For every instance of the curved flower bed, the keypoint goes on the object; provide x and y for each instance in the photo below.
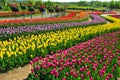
(7, 32)
(95, 59)
(22, 49)
(70, 17)
(100, 12)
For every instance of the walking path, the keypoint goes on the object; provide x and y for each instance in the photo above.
(29, 17)
(19, 73)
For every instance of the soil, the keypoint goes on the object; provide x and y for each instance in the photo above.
(19, 73)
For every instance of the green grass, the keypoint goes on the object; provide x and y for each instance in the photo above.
(84, 7)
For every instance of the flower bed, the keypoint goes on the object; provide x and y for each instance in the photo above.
(99, 12)
(10, 31)
(9, 13)
(116, 16)
(22, 49)
(111, 19)
(95, 59)
(70, 17)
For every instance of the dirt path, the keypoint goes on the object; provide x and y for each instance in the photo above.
(19, 73)
(29, 17)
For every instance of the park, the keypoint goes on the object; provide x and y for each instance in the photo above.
(59, 40)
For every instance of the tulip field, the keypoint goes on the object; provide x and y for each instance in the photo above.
(95, 59)
(72, 16)
(80, 45)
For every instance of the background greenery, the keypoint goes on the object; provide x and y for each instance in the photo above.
(97, 5)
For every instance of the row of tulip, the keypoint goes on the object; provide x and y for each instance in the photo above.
(10, 13)
(95, 59)
(70, 17)
(21, 50)
(12, 31)
(100, 12)
(116, 16)
(110, 19)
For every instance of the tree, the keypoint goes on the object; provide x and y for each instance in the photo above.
(82, 3)
(105, 4)
(49, 3)
(3, 2)
(112, 4)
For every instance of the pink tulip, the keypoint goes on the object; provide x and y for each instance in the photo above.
(88, 73)
(71, 71)
(31, 62)
(49, 64)
(107, 78)
(118, 51)
(110, 75)
(53, 71)
(36, 75)
(74, 57)
(82, 76)
(67, 74)
(95, 64)
(113, 69)
(60, 69)
(64, 79)
(118, 62)
(53, 65)
(105, 50)
(56, 74)
(115, 65)
(75, 75)
(105, 57)
(91, 78)
(86, 59)
(82, 69)
(118, 57)
(44, 66)
(83, 57)
(101, 72)
(37, 67)
(101, 61)
(73, 66)
(32, 70)
(74, 61)
(94, 68)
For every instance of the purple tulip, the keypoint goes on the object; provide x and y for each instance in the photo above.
(22, 29)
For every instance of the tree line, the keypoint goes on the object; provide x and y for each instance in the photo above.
(112, 4)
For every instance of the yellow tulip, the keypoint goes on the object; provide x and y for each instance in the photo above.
(20, 45)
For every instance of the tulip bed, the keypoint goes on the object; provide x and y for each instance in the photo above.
(116, 16)
(67, 18)
(100, 12)
(95, 59)
(21, 50)
(11, 32)
(9, 13)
